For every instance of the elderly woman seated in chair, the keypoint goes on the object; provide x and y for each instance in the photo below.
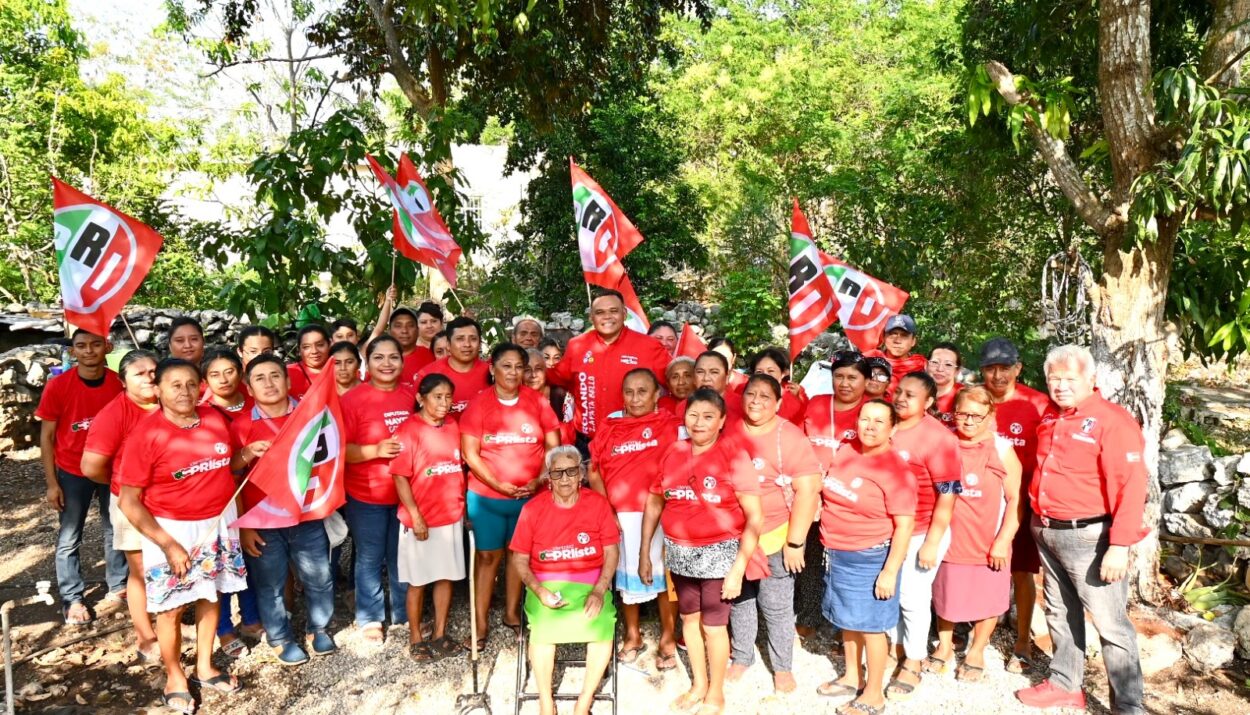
(565, 549)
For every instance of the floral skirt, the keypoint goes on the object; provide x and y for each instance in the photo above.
(216, 563)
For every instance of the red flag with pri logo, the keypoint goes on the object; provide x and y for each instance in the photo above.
(605, 235)
(690, 344)
(419, 232)
(865, 303)
(302, 472)
(813, 306)
(102, 257)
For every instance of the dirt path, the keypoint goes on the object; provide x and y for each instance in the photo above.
(98, 675)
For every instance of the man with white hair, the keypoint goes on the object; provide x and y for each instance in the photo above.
(1088, 494)
(527, 332)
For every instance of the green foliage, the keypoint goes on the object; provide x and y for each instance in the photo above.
(750, 304)
(625, 144)
(97, 135)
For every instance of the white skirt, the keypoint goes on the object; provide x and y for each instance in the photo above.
(632, 589)
(216, 563)
(439, 558)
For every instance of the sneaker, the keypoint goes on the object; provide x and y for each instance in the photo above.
(321, 643)
(291, 654)
(1047, 695)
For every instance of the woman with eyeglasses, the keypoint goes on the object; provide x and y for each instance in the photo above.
(974, 582)
(944, 365)
(880, 374)
(505, 433)
(565, 550)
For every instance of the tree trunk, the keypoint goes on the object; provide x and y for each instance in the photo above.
(1129, 346)
(1226, 40)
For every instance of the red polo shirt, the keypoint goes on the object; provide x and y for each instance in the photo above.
(466, 385)
(415, 362)
(1017, 420)
(1089, 463)
(73, 404)
(594, 371)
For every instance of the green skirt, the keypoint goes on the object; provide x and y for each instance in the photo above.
(569, 624)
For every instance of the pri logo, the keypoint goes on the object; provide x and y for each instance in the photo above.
(857, 482)
(583, 538)
(527, 428)
(597, 238)
(861, 305)
(758, 463)
(1087, 425)
(1016, 428)
(588, 358)
(314, 462)
(972, 480)
(220, 448)
(419, 219)
(646, 433)
(97, 253)
(709, 483)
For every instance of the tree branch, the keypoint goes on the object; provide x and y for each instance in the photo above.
(398, 63)
(1227, 65)
(266, 60)
(1066, 173)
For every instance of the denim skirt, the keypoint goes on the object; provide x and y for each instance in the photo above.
(849, 602)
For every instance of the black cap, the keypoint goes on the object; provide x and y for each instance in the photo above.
(999, 351)
(402, 311)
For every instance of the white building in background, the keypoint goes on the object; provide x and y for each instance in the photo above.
(490, 196)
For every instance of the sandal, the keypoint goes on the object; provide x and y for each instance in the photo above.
(235, 648)
(899, 691)
(834, 689)
(420, 652)
(855, 707)
(481, 643)
(629, 656)
(222, 683)
(169, 698)
(1018, 663)
(937, 666)
(969, 673)
(684, 703)
(666, 662)
(445, 647)
(76, 614)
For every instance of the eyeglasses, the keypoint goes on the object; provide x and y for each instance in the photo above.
(946, 365)
(556, 475)
(970, 417)
(880, 377)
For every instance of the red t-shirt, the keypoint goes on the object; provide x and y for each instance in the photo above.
(979, 508)
(900, 367)
(230, 414)
(560, 539)
(626, 451)
(827, 429)
(861, 495)
(371, 415)
(1017, 420)
(670, 404)
(776, 458)
(184, 473)
(944, 407)
(701, 492)
(511, 437)
(933, 453)
(414, 363)
(431, 462)
(246, 429)
(466, 385)
(73, 404)
(1089, 463)
(301, 379)
(793, 407)
(593, 372)
(109, 431)
(733, 408)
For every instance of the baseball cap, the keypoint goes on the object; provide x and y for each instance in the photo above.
(879, 363)
(901, 322)
(402, 311)
(999, 351)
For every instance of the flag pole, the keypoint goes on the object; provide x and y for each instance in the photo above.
(130, 330)
(456, 295)
(394, 260)
(589, 300)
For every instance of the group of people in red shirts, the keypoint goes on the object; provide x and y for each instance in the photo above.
(878, 493)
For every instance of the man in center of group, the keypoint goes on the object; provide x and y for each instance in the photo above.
(464, 365)
(595, 363)
(896, 348)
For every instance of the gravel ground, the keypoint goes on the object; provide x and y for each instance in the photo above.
(98, 674)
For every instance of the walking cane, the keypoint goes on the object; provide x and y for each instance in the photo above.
(478, 699)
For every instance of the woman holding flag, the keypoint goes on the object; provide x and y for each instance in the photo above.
(372, 412)
(178, 492)
(273, 549)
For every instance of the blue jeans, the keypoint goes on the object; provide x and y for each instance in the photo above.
(375, 539)
(78, 493)
(247, 608)
(306, 548)
(1071, 559)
